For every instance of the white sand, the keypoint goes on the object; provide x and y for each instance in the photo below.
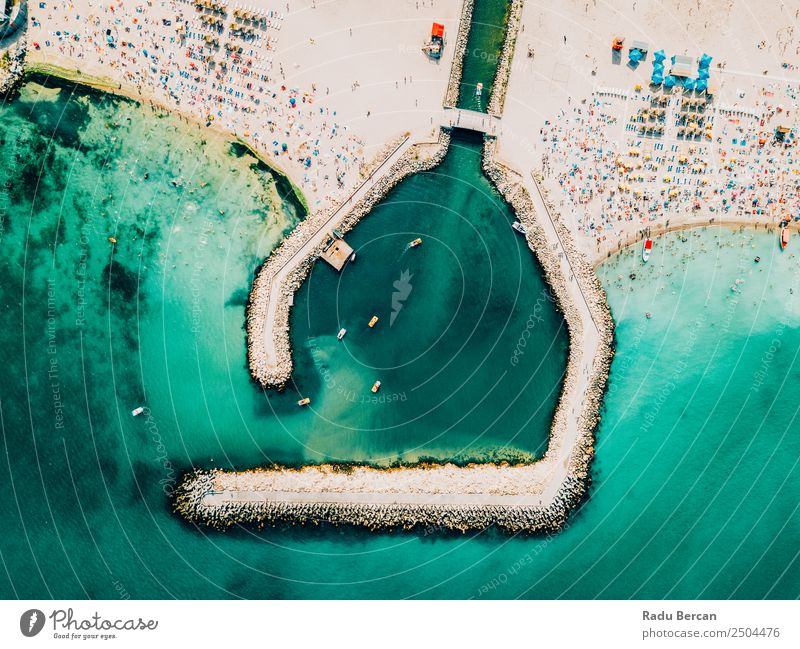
(552, 84)
(311, 53)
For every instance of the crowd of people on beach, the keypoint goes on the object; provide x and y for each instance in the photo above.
(639, 157)
(213, 62)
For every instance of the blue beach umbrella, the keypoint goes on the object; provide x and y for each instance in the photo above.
(701, 85)
(659, 56)
(705, 61)
(703, 74)
(657, 79)
(669, 81)
(688, 84)
(635, 55)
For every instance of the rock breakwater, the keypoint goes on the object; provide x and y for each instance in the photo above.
(533, 497)
(12, 67)
(460, 49)
(500, 86)
(510, 185)
(268, 343)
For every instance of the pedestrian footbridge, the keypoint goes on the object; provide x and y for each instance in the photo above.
(471, 120)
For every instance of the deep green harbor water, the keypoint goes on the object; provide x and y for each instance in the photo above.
(484, 45)
(696, 478)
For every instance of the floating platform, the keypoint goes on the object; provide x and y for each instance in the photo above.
(336, 253)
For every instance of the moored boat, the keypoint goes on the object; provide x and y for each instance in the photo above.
(518, 227)
(341, 333)
(376, 386)
(373, 321)
(304, 402)
(353, 257)
(137, 411)
(784, 236)
(647, 250)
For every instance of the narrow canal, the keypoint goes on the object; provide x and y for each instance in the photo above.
(486, 36)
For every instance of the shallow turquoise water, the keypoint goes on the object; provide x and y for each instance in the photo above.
(696, 480)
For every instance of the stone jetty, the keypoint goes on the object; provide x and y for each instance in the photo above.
(515, 498)
(498, 97)
(454, 83)
(268, 343)
(12, 66)
(534, 497)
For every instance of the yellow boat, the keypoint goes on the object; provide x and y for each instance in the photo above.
(373, 321)
(304, 402)
(376, 386)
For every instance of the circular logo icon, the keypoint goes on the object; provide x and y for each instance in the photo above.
(31, 622)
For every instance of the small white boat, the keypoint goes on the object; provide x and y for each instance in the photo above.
(478, 89)
(648, 249)
(304, 402)
(341, 333)
(353, 257)
(376, 386)
(519, 227)
(137, 411)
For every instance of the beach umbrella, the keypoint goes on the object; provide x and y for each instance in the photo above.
(688, 84)
(635, 55)
(701, 85)
(659, 56)
(669, 81)
(705, 61)
(656, 79)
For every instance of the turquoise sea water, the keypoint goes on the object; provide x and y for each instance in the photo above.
(696, 477)
(485, 43)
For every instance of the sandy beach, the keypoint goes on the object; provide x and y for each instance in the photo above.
(574, 114)
(316, 88)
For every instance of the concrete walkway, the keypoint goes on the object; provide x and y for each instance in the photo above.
(587, 347)
(319, 236)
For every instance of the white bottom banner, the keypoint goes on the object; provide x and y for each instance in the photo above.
(400, 624)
